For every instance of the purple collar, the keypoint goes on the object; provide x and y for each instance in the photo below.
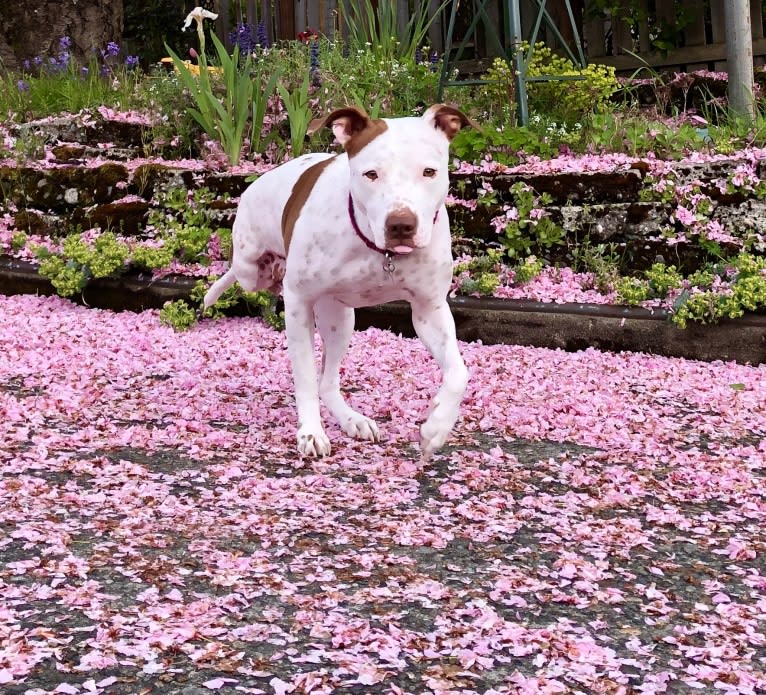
(369, 244)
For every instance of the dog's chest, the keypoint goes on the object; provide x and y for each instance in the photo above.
(358, 281)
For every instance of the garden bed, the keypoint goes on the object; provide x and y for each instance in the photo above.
(613, 213)
(567, 326)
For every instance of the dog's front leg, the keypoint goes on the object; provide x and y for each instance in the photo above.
(436, 328)
(299, 330)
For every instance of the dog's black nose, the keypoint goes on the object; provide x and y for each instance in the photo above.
(401, 224)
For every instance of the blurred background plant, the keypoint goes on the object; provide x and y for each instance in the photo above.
(381, 29)
(594, 114)
(51, 84)
(223, 94)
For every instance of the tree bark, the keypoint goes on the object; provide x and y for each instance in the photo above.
(35, 27)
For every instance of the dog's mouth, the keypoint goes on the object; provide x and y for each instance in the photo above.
(401, 228)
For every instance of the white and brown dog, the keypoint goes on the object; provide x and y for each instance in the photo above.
(336, 232)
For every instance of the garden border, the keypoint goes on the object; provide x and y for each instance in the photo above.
(568, 327)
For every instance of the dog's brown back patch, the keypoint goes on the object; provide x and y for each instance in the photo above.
(298, 197)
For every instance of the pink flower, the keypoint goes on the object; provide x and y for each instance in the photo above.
(684, 216)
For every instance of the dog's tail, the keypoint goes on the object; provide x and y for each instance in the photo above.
(219, 287)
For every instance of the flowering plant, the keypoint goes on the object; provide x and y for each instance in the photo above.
(223, 118)
(526, 227)
(299, 114)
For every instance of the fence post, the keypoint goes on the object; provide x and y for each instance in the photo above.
(739, 56)
(519, 67)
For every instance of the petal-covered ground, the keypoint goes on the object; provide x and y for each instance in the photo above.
(596, 524)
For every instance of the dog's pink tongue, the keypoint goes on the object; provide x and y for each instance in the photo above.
(402, 249)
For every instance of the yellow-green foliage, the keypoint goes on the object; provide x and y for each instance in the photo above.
(500, 85)
(570, 99)
(573, 97)
(79, 261)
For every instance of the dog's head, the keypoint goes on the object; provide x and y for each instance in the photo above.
(398, 171)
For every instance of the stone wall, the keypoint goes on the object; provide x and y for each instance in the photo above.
(96, 173)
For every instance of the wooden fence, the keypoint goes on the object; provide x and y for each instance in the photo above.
(288, 18)
(702, 39)
(609, 40)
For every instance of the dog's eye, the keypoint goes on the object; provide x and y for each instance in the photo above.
(372, 174)
(429, 173)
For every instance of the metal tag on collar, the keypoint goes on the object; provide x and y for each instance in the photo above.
(388, 263)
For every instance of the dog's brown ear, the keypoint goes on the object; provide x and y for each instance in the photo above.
(448, 119)
(345, 123)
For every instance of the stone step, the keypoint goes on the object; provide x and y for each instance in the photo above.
(604, 206)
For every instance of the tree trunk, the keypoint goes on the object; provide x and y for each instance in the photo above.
(35, 27)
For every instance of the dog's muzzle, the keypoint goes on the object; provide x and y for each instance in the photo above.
(401, 227)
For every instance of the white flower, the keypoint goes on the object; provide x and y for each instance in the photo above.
(198, 14)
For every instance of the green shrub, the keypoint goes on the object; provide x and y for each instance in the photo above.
(506, 145)
(528, 270)
(663, 278)
(586, 90)
(480, 274)
(724, 290)
(630, 290)
(178, 315)
(590, 91)
(80, 260)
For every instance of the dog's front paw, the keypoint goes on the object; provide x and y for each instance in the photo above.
(435, 430)
(313, 442)
(360, 427)
(432, 439)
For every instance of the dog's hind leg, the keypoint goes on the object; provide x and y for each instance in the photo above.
(335, 322)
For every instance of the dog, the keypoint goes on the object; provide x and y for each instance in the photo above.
(339, 231)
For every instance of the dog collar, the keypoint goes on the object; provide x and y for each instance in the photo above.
(388, 265)
(369, 244)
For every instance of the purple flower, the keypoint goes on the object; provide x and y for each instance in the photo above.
(131, 62)
(27, 65)
(37, 60)
(112, 49)
(84, 72)
(65, 42)
(244, 37)
(263, 39)
(434, 60)
(22, 86)
(314, 63)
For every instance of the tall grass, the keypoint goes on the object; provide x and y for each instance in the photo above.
(384, 31)
(25, 95)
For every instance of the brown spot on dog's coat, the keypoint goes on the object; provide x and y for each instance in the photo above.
(353, 128)
(364, 137)
(448, 119)
(298, 197)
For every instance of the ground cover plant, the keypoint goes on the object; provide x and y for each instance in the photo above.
(595, 525)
